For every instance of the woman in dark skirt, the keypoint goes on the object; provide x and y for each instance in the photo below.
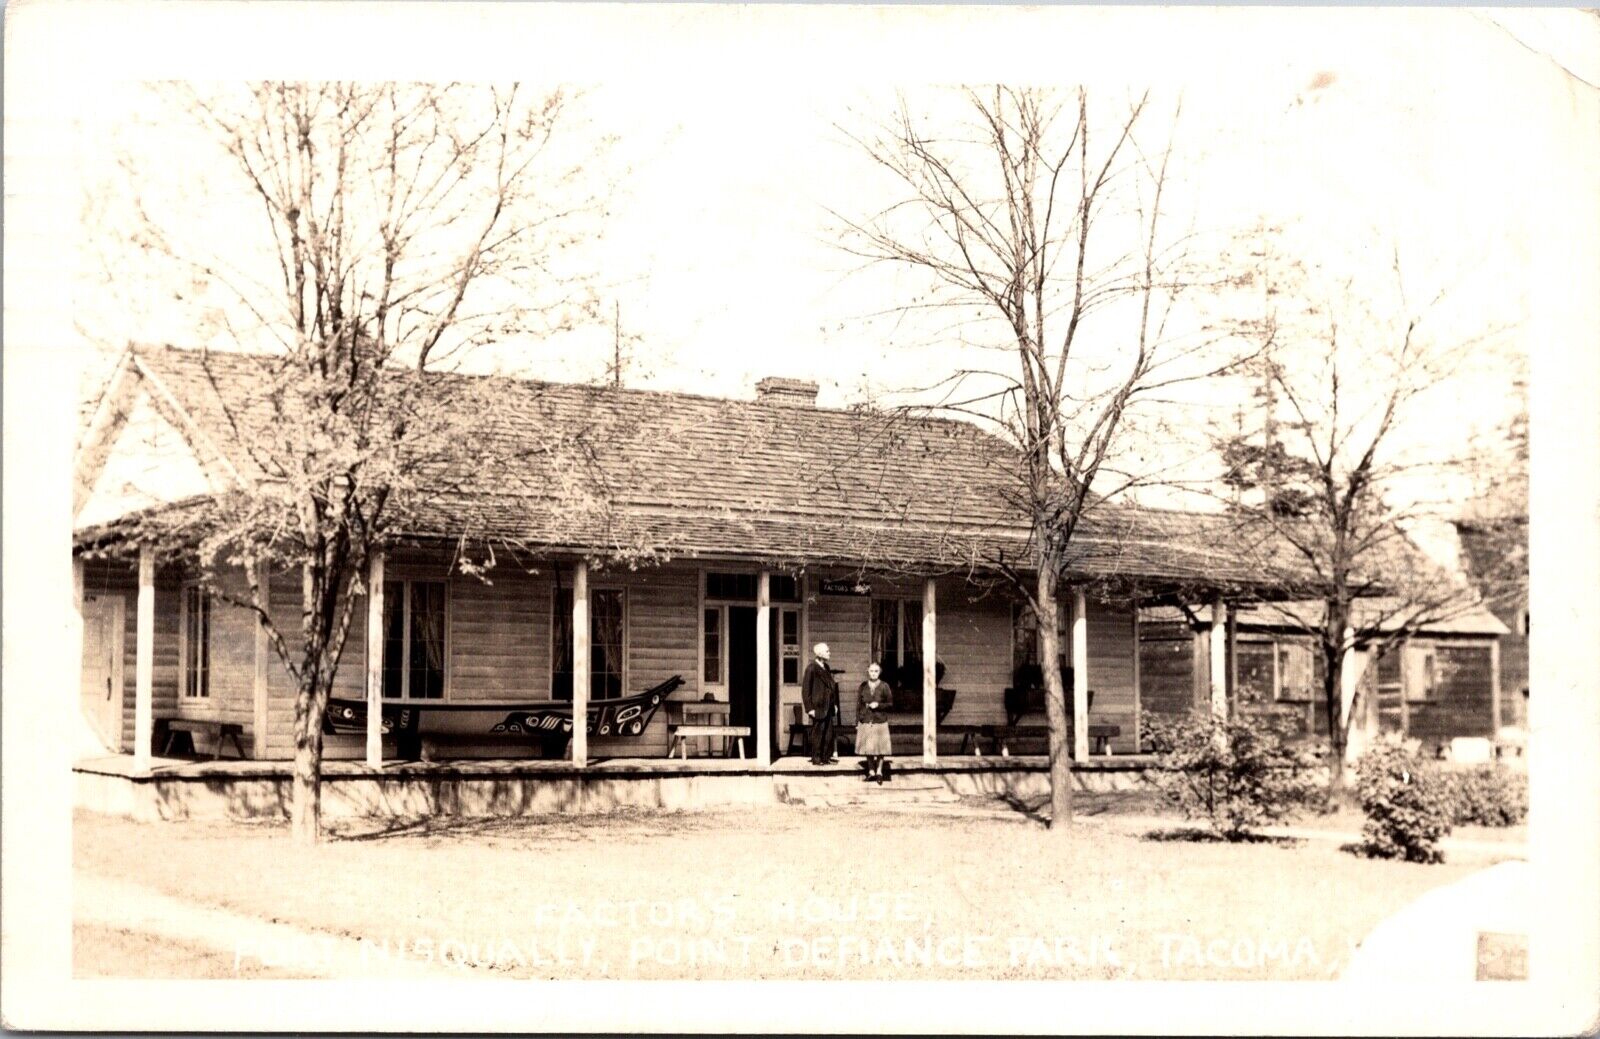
(873, 701)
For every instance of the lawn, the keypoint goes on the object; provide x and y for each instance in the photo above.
(778, 893)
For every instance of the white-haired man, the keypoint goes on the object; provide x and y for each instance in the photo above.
(819, 696)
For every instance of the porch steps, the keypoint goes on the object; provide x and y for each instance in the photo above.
(839, 790)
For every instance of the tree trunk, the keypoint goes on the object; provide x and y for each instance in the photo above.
(1055, 701)
(1333, 659)
(305, 812)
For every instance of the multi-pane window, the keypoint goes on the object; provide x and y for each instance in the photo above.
(1257, 669)
(196, 643)
(789, 646)
(742, 587)
(712, 673)
(413, 640)
(607, 643)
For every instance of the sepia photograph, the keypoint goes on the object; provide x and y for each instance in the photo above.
(749, 495)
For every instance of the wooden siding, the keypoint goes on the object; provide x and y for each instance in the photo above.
(233, 667)
(1170, 656)
(1111, 670)
(1462, 704)
(844, 622)
(111, 578)
(974, 635)
(500, 648)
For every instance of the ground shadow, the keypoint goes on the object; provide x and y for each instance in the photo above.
(1202, 836)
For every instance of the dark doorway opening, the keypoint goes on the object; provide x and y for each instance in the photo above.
(742, 666)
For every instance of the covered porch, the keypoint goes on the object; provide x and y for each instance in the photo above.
(727, 638)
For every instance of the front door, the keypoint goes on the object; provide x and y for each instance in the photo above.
(742, 666)
(101, 689)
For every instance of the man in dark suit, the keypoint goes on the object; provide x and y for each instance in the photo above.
(819, 695)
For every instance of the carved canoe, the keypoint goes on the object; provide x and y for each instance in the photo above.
(624, 716)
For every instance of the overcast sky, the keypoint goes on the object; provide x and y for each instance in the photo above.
(1424, 130)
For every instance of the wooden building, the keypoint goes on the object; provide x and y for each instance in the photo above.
(771, 524)
(1434, 686)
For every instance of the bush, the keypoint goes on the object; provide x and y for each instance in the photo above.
(1406, 802)
(1486, 795)
(1236, 775)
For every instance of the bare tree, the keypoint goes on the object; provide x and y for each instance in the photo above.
(1335, 469)
(395, 228)
(1039, 222)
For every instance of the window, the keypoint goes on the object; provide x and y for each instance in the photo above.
(789, 646)
(1422, 679)
(1257, 664)
(607, 644)
(1024, 636)
(897, 638)
(196, 643)
(1297, 673)
(712, 669)
(742, 587)
(413, 640)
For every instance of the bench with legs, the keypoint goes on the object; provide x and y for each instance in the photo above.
(1025, 696)
(177, 735)
(682, 734)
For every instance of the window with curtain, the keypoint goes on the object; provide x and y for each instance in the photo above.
(413, 640)
(897, 639)
(196, 643)
(607, 644)
(1024, 636)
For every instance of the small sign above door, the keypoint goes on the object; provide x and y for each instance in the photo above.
(843, 586)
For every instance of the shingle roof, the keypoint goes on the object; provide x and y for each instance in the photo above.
(1385, 614)
(700, 476)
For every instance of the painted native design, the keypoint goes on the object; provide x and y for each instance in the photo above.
(620, 716)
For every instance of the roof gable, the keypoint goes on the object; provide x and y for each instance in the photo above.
(145, 461)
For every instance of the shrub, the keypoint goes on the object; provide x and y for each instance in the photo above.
(1406, 803)
(1236, 775)
(1486, 795)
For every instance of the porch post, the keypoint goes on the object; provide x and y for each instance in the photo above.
(375, 660)
(930, 673)
(580, 664)
(259, 691)
(1080, 676)
(1233, 660)
(1219, 659)
(763, 718)
(144, 661)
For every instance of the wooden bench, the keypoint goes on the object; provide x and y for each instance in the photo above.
(682, 734)
(219, 731)
(1025, 696)
(1001, 736)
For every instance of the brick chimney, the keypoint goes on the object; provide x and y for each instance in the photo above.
(797, 393)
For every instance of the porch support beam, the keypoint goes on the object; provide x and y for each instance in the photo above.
(930, 672)
(259, 718)
(375, 660)
(1080, 676)
(1219, 659)
(580, 664)
(763, 716)
(144, 661)
(1233, 661)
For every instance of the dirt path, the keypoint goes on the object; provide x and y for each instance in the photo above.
(253, 945)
